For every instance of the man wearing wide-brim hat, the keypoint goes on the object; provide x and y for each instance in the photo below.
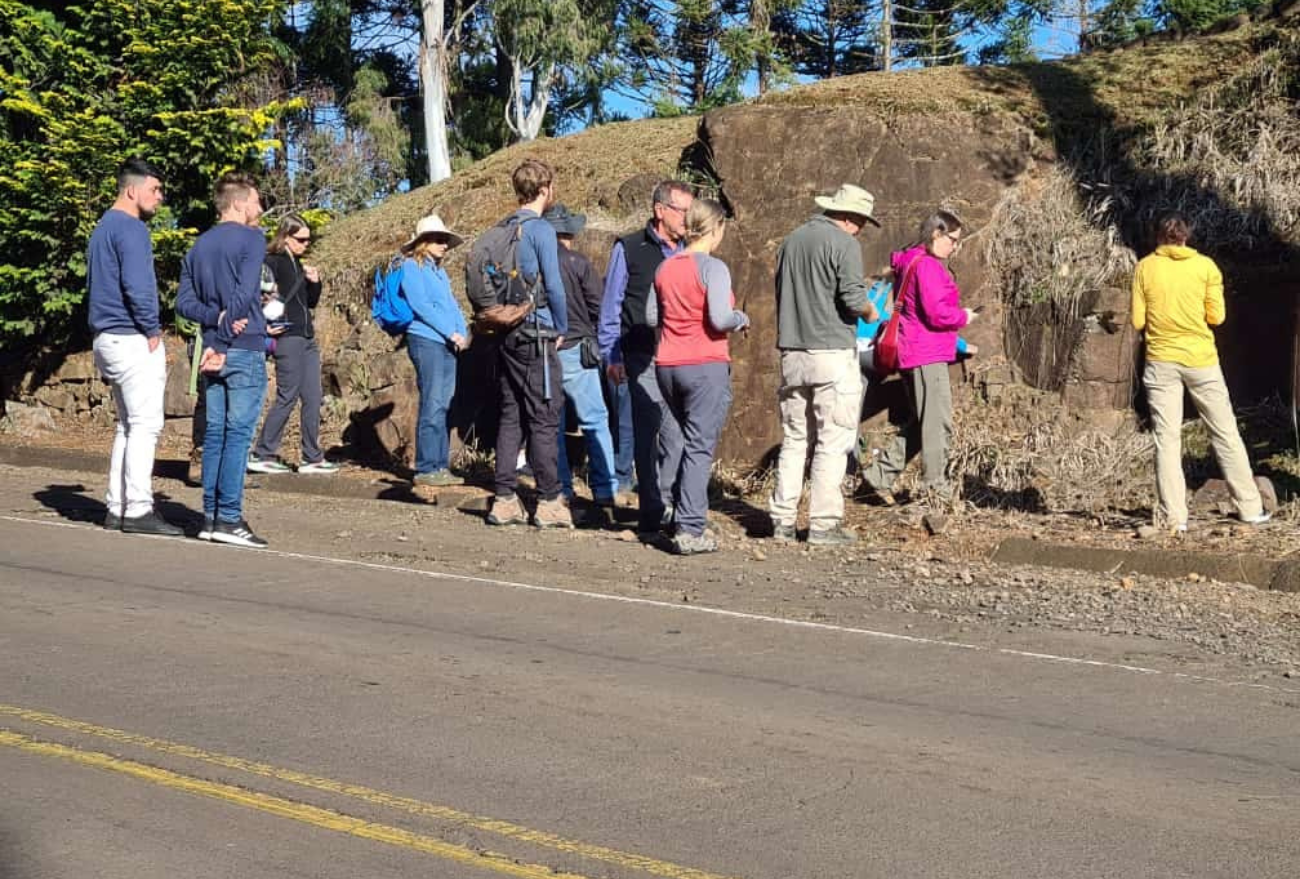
(820, 294)
(582, 382)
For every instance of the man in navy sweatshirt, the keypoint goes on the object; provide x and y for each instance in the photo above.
(221, 291)
(128, 349)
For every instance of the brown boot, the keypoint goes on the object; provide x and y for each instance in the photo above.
(506, 511)
(552, 514)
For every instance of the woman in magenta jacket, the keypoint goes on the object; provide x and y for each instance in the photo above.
(930, 316)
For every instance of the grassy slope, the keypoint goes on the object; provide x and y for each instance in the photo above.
(1132, 87)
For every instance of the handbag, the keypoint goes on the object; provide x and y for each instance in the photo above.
(589, 353)
(886, 348)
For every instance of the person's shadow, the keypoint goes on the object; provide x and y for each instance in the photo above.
(73, 503)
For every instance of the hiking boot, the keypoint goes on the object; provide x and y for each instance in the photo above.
(436, 478)
(552, 514)
(321, 466)
(506, 511)
(1257, 520)
(836, 536)
(112, 522)
(596, 516)
(194, 473)
(268, 465)
(236, 534)
(783, 533)
(150, 523)
(209, 525)
(693, 544)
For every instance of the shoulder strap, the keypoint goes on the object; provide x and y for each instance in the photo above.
(908, 272)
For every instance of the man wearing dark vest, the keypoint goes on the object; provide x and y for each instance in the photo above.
(627, 341)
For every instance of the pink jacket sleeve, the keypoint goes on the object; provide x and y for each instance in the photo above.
(941, 309)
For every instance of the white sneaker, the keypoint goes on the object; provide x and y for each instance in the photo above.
(318, 467)
(267, 465)
(1257, 520)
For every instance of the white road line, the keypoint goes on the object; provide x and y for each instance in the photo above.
(710, 611)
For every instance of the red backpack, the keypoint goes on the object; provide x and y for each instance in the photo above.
(886, 350)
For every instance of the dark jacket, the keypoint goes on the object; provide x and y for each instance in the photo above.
(644, 254)
(298, 294)
(582, 290)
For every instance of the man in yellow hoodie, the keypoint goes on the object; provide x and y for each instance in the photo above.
(1177, 297)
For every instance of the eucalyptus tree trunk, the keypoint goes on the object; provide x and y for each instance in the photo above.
(526, 114)
(433, 87)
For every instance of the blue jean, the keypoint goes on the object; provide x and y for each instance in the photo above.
(618, 400)
(657, 457)
(435, 374)
(582, 393)
(234, 400)
(698, 399)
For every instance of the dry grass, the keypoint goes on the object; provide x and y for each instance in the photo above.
(590, 166)
(1231, 160)
(1050, 247)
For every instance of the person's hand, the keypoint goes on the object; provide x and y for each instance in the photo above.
(311, 273)
(970, 315)
(154, 342)
(211, 362)
(275, 330)
(869, 313)
(559, 342)
(457, 341)
(617, 373)
(971, 350)
(239, 326)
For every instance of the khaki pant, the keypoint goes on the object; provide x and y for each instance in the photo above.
(820, 400)
(929, 430)
(1165, 383)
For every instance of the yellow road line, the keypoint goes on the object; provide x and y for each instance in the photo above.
(312, 815)
(506, 829)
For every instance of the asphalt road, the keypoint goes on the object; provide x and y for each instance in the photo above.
(172, 708)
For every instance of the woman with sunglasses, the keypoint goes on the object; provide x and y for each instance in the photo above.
(930, 315)
(297, 357)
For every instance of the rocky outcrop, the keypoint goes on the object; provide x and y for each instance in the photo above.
(769, 163)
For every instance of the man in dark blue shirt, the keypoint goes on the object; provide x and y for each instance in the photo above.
(529, 371)
(123, 298)
(221, 291)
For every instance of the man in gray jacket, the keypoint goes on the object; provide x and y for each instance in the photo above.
(820, 293)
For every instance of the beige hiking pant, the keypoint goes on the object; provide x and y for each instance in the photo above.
(820, 400)
(1165, 383)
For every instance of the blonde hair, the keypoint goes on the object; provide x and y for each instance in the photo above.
(422, 251)
(703, 218)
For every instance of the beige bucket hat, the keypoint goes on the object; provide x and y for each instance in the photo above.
(850, 199)
(428, 227)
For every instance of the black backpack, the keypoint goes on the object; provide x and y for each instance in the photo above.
(492, 275)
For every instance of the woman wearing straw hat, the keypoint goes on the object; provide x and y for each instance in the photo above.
(435, 337)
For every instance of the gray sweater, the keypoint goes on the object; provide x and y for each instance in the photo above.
(820, 290)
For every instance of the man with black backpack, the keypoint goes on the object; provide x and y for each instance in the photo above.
(514, 284)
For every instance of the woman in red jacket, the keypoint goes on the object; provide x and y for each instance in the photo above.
(695, 310)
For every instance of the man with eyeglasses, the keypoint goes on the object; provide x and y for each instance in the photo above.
(820, 294)
(627, 346)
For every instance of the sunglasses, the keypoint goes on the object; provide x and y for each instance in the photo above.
(301, 238)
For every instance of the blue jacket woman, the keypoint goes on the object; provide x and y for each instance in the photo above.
(436, 335)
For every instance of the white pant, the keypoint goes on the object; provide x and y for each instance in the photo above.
(821, 405)
(139, 379)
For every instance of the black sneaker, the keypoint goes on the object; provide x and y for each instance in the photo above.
(209, 525)
(112, 522)
(151, 523)
(237, 534)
